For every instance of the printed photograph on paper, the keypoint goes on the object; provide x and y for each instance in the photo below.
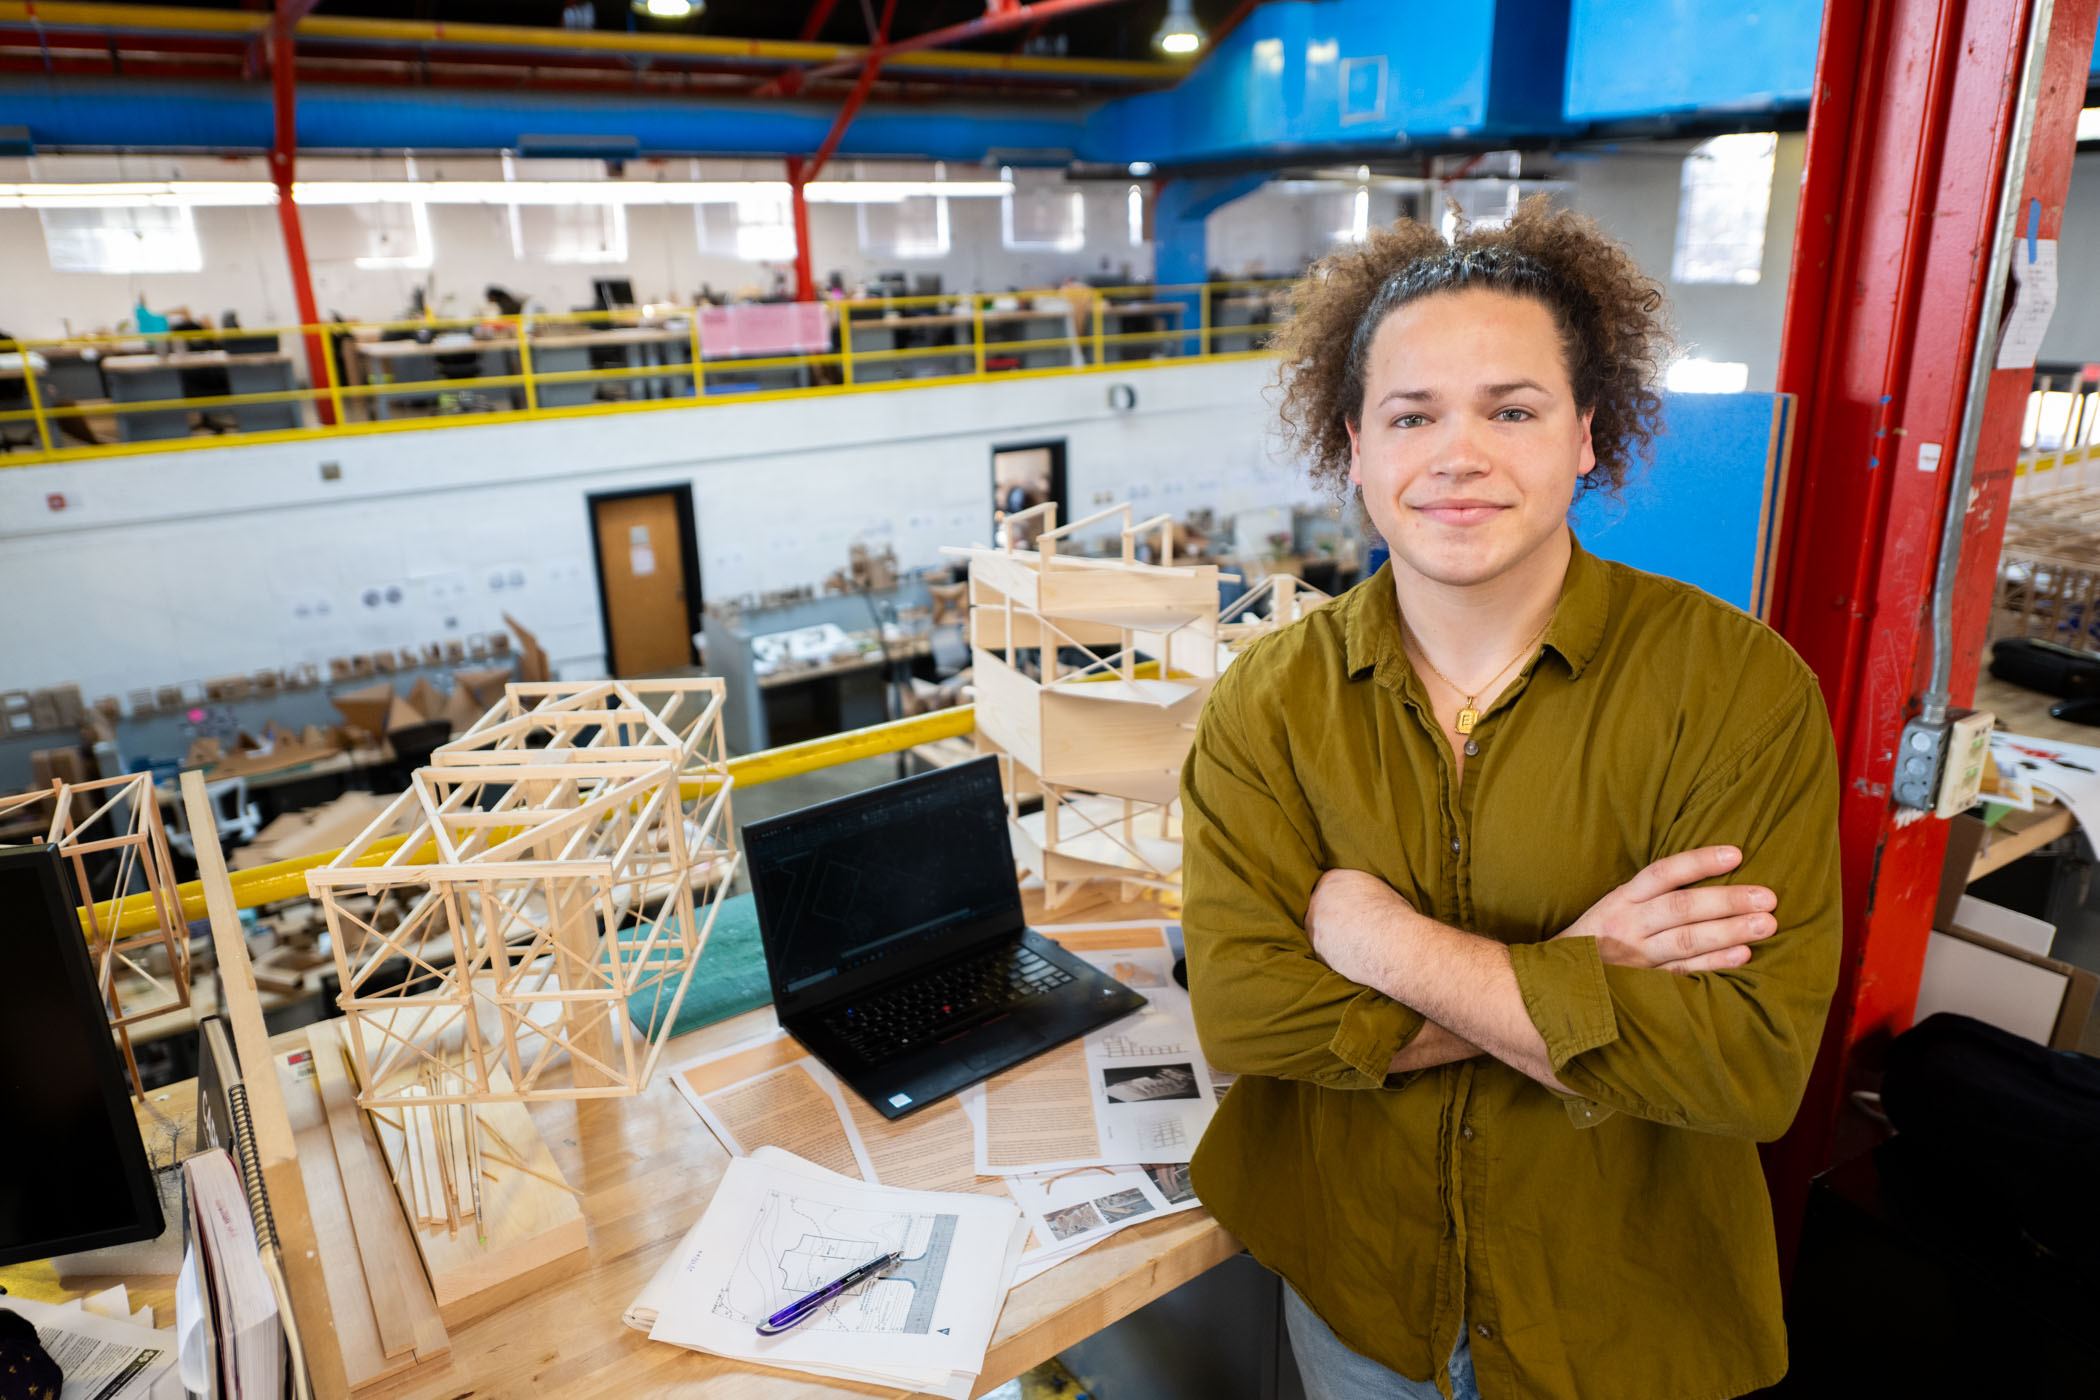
(1171, 1179)
(1067, 1221)
(1144, 1083)
(1123, 1205)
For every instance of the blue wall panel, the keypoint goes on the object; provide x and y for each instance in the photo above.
(1701, 512)
(1665, 56)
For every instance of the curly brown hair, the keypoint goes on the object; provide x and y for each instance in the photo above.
(1614, 329)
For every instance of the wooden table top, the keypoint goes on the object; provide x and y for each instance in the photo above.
(194, 359)
(621, 335)
(646, 1167)
(395, 349)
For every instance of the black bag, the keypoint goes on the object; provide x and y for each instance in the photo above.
(1997, 1146)
(2047, 667)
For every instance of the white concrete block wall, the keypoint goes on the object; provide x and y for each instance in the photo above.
(183, 566)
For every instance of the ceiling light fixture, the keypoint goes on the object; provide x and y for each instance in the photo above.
(669, 9)
(1178, 32)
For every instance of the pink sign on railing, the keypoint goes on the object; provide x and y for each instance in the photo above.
(763, 328)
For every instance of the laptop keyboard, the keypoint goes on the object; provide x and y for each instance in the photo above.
(944, 1003)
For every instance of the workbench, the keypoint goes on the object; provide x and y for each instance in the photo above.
(153, 378)
(646, 1167)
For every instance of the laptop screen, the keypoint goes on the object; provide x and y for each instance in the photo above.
(921, 867)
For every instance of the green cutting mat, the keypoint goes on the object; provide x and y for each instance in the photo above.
(729, 979)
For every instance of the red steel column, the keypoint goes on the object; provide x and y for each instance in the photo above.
(805, 274)
(1907, 136)
(283, 162)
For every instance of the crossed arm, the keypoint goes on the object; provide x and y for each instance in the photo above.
(1300, 971)
(1465, 987)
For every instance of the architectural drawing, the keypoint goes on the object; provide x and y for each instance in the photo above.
(796, 1245)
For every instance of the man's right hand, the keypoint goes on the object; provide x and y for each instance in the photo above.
(1654, 920)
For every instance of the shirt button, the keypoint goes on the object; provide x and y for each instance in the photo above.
(1466, 1132)
(1483, 1331)
(1454, 845)
(1472, 747)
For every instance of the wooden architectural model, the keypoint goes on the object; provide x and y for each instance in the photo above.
(1070, 688)
(1277, 601)
(574, 843)
(110, 832)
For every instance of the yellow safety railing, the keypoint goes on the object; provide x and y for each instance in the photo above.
(179, 390)
(286, 879)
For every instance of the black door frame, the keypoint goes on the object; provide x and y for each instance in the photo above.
(689, 556)
(1059, 491)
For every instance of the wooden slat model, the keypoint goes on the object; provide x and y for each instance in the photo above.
(1103, 743)
(564, 837)
(121, 815)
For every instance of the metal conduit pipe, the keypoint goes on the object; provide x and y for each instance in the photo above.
(1934, 705)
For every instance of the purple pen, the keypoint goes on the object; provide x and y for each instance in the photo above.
(802, 1307)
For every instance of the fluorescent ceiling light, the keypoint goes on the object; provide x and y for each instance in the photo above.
(205, 194)
(1141, 168)
(669, 9)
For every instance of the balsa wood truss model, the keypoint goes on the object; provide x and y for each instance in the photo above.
(110, 832)
(578, 840)
(1102, 740)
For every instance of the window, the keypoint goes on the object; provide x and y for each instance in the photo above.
(1043, 215)
(394, 235)
(915, 226)
(758, 227)
(1696, 376)
(1134, 212)
(569, 233)
(136, 238)
(1721, 209)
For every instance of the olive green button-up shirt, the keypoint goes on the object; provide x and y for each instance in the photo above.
(1616, 1244)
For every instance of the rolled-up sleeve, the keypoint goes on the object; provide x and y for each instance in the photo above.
(1727, 1051)
(1264, 1003)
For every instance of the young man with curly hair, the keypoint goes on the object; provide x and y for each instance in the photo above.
(1511, 877)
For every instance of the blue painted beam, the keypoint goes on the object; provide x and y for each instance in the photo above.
(176, 116)
(1355, 75)
(1180, 246)
(1676, 57)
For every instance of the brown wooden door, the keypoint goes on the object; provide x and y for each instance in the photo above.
(641, 570)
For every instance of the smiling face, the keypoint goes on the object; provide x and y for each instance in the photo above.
(1470, 444)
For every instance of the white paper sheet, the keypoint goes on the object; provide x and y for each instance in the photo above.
(2069, 772)
(99, 1356)
(1144, 1077)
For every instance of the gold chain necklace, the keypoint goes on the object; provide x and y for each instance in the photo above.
(1468, 716)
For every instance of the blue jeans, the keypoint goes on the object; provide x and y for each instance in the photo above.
(1331, 1371)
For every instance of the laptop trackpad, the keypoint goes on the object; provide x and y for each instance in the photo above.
(1004, 1049)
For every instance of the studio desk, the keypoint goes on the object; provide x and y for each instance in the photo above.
(645, 1168)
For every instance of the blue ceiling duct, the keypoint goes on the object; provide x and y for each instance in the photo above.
(144, 115)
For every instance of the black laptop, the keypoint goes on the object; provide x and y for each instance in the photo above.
(893, 934)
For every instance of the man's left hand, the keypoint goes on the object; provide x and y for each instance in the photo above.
(1350, 919)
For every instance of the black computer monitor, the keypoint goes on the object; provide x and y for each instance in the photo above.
(926, 284)
(76, 1175)
(613, 292)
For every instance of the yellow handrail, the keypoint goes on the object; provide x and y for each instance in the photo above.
(518, 343)
(286, 879)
